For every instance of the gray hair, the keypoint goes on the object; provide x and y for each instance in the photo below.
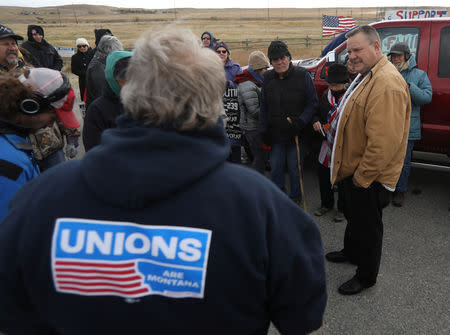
(370, 32)
(108, 44)
(172, 80)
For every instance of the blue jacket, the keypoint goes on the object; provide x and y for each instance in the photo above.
(17, 167)
(421, 93)
(196, 242)
(231, 70)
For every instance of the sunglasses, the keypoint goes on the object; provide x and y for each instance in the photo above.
(82, 46)
(205, 38)
(221, 51)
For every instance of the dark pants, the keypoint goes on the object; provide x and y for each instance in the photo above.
(259, 156)
(235, 154)
(402, 184)
(326, 192)
(363, 209)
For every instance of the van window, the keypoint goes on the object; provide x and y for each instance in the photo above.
(444, 53)
(392, 35)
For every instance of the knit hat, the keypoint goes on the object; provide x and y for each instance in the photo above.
(222, 45)
(7, 32)
(54, 88)
(81, 41)
(257, 60)
(337, 74)
(278, 49)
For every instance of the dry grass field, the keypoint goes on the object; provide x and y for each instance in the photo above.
(64, 24)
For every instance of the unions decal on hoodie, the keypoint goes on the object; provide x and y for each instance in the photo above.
(91, 257)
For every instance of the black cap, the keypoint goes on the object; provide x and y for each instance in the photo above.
(337, 74)
(7, 32)
(400, 48)
(278, 49)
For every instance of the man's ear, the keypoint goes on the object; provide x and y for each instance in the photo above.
(377, 45)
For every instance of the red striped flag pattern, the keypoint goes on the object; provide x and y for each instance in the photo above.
(332, 25)
(95, 278)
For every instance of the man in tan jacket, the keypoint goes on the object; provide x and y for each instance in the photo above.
(368, 153)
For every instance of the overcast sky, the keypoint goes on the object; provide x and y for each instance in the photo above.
(155, 4)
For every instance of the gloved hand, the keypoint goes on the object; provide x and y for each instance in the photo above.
(73, 140)
(297, 124)
(71, 151)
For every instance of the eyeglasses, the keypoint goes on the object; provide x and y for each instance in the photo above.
(221, 51)
(205, 38)
(82, 46)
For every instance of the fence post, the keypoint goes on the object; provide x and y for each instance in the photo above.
(308, 43)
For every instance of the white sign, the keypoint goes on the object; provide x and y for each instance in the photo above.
(414, 14)
(65, 51)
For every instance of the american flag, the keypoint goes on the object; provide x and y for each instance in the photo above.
(332, 25)
(96, 278)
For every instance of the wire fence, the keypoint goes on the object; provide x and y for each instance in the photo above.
(307, 42)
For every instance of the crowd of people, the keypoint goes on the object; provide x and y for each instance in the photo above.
(160, 217)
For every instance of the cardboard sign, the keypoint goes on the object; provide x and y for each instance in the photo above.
(231, 107)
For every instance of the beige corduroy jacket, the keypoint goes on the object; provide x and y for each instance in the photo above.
(372, 133)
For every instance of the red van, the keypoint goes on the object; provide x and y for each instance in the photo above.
(429, 41)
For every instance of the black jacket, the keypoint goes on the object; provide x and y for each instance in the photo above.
(79, 65)
(80, 62)
(293, 96)
(44, 52)
(101, 115)
(95, 78)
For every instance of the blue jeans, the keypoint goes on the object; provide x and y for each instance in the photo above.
(402, 183)
(279, 155)
(52, 160)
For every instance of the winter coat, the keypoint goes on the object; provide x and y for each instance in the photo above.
(295, 97)
(48, 140)
(95, 77)
(17, 164)
(421, 93)
(195, 240)
(101, 115)
(231, 70)
(372, 131)
(44, 52)
(249, 96)
(79, 65)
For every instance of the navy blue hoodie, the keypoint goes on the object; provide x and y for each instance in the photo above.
(154, 232)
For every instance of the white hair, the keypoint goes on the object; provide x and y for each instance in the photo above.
(108, 44)
(174, 81)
